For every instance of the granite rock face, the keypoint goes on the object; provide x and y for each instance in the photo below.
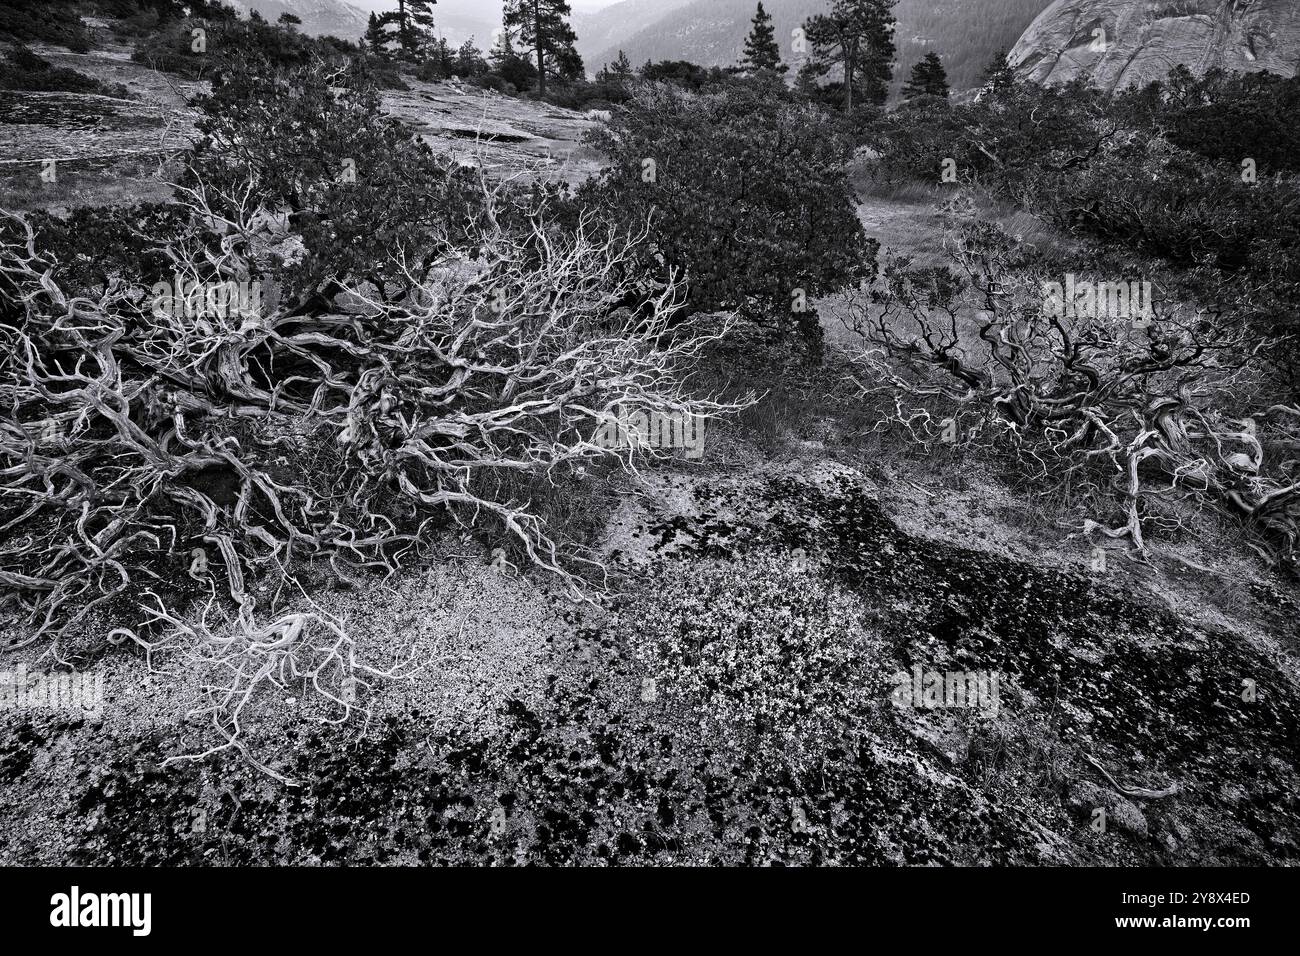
(1123, 43)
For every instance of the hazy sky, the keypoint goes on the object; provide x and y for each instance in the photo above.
(491, 7)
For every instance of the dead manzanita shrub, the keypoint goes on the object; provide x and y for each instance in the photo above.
(1155, 408)
(196, 438)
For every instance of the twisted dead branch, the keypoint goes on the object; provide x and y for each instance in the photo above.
(225, 437)
(1133, 793)
(239, 658)
(1153, 412)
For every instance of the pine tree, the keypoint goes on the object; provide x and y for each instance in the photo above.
(622, 68)
(414, 20)
(439, 53)
(508, 64)
(504, 51)
(928, 78)
(805, 80)
(761, 49)
(998, 75)
(376, 38)
(620, 73)
(858, 37)
(469, 60)
(543, 27)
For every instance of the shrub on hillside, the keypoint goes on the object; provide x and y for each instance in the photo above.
(24, 70)
(1149, 411)
(519, 71)
(1004, 142)
(745, 195)
(370, 201)
(1152, 172)
(589, 95)
(200, 45)
(40, 21)
(1164, 202)
(1233, 117)
(494, 82)
(194, 430)
(96, 246)
(686, 75)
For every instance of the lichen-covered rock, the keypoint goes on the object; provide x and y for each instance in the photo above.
(735, 704)
(1123, 43)
(1085, 798)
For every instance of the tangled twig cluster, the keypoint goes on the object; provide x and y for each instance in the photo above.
(222, 437)
(239, 658)
(1150, 412)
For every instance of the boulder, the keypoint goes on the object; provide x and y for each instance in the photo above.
(1124, 43)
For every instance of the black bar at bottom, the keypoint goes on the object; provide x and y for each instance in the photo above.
(219, 906)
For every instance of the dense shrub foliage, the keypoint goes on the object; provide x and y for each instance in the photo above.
(38, 20)
(304, 366)
(367, 201)
(1224, 116)
(745, 195)
(199, 45)
(24, 70)
(688, 76)
(95, 246)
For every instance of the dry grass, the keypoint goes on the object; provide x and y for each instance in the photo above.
(1018, 757)
(83, 182)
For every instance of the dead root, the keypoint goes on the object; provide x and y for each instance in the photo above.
(1133, 793)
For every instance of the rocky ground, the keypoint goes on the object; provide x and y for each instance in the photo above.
(110, 150)
(732, 704)
(734, 700)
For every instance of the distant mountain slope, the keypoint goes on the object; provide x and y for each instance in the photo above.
(966, 33)
(319, 17)
(457, 20)
(1144, 40)
(606, 30)
(712, 32)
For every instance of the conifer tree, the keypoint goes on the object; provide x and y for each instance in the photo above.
(928, 78)
(543, 26)
(376, 38)
(998, 75)
(858, 37)
(414, 21)
(762, 53)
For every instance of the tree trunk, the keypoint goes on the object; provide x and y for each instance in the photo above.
(541, 58)
(850, 55)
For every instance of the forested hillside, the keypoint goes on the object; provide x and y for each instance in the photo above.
(712, 32)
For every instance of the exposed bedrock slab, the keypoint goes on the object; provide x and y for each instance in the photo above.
(1123, 43)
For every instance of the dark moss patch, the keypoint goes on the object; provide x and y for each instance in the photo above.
(596, 776)
(17, 747)
(1143, 689)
